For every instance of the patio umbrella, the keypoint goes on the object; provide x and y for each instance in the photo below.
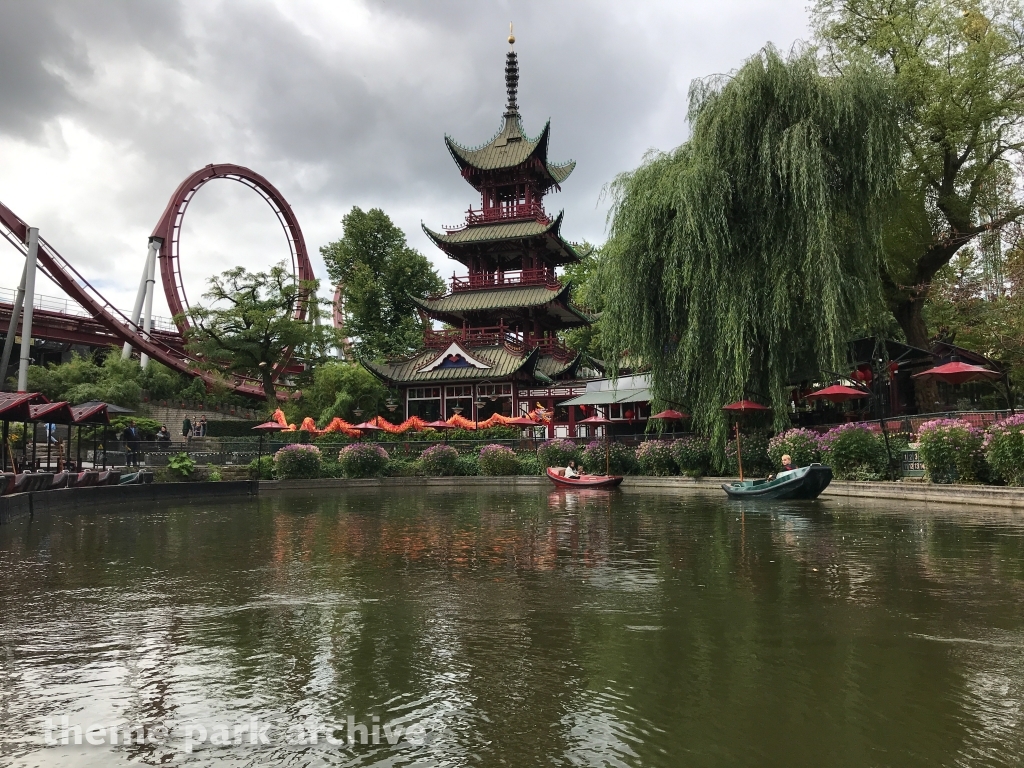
(957, 372)
(671, 415)
(741, 407)
(440, 424)
(267, 426)
(602, 421)
(838, 393)
(367, 427)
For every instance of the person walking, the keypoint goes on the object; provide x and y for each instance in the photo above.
(186, 429)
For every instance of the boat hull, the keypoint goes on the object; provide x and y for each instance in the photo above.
(804, 483)
(585, 481)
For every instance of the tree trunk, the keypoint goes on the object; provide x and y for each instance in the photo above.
(267, 377)
(909, 313)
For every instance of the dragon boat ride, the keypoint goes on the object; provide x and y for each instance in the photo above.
(583, 481)
(803, 483)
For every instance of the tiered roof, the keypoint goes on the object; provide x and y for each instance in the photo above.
(507, 241)
(509, 302)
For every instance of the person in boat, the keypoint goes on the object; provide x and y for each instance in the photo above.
(571, 471)
(787, 466)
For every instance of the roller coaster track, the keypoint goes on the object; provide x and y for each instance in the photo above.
(64, 274)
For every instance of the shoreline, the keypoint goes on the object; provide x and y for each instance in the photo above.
(129, 497)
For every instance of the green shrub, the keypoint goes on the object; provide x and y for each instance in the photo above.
(800, 444)
(403, 466)
(181, 466)
(754, 445)
(266, 464)
(529, 464)
(498, 460)
(620, 459)
(225, 428)
(854, 452)
(952, 451)
(557, 452)
(692, 455)
(363, 460)
(467, 466)
(1004, 444)
(654, 457)
(329, 468)
(213, 474)
(297, 462)
(439, 461)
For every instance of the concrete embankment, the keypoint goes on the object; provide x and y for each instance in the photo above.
(118, 497)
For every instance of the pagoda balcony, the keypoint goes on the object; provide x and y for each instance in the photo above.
(472, 282)
(518, 212)
(485, 336)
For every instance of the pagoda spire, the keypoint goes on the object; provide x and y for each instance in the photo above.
(511, 76)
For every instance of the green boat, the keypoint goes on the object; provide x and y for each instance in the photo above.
(803, 483)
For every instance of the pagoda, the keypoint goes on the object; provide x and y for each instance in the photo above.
(499, 351)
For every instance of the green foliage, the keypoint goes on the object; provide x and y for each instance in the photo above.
(588, 291)
(654, 457)
(498, 460)
(378, 273)
(213, 474)
(147, 427)
(439, 461)
(297, 462)
(113, 380)
(800, 444)
(1004, 449)
(952, 451)
(557, 453)
(692, 455)
(620, 459)
(751, 251)
(250, 324)
(363, 460)
(754, 445)
(339, 388)
(468, 466)
(854, 452)
(181, 466)
(529, 464)
(403, 466)
(958, 71)
(265, 465)
(226, 428)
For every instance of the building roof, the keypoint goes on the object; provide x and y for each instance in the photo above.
(509, 148)
(457, 306)
(502, 361)
(463, 242)
(51, 413)
(14, 406)
(553, 367)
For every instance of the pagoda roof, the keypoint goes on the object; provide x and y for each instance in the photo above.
(501, 360)
(511, 148)
(463, 241)
(553, 367)
(454, 307)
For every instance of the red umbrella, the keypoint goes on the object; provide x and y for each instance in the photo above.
(957, 372)
(368, 426)
(744, 406)
(739, 408)
(671, 415)
(522, 421)
(440, 424)
(838, 393)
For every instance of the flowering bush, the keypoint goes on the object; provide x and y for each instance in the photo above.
(620, 459)
(952, 451)
(557, 453)
(297, 461)
(692, 454)
(800, 444)
(439, 461)
(654, 457)
(754, 445)
(854, 452)
(498, 460)
(1004, 449)
(363, 460)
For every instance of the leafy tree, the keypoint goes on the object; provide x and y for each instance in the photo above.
(338, 389)
(751, 250)
(113, 380)
(588, 292)
(251, 325)
(379, 273)
(958, 71)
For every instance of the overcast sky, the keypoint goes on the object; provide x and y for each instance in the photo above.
(106, 106)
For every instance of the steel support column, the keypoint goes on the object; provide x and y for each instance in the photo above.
(30, 298)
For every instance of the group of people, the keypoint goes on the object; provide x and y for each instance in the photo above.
(131, 438)
(190, 428)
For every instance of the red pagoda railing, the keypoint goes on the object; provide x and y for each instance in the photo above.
(485, 336)
(503, 212)
(472, 282)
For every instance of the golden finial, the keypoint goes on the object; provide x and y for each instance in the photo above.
(511, 37)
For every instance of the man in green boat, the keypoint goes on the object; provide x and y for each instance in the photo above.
(787, 466)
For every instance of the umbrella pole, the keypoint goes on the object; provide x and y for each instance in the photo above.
(3, 451)
(259, 460)
(607, 452)
(739, 451)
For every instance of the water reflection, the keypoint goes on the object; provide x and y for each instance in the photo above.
(523, 628)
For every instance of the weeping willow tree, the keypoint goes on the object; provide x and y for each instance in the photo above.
(751, 252)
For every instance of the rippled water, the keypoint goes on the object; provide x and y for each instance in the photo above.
(519, 629)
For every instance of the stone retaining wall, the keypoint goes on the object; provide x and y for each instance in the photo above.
(107, 498)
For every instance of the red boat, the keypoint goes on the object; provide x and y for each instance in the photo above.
(584, 481)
